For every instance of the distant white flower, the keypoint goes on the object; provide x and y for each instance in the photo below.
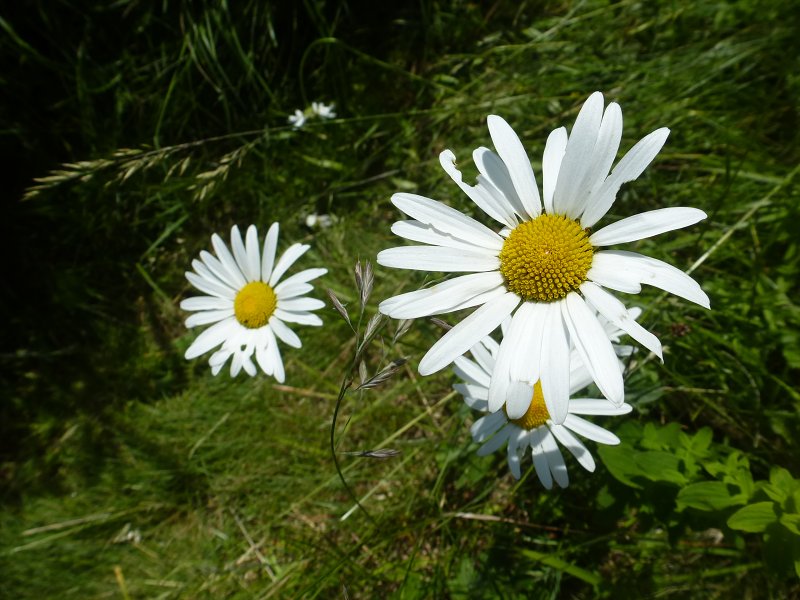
(248, 303)
(545, 267)
(298, 119)
(322, 221)
(323, 111)
(535, 429)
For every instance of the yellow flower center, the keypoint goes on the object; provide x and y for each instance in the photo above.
(254, 304)
(536, 414)
(546, 258)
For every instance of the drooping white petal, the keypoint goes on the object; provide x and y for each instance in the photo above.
(516, 440)
(656, 273)
(628, 169)
(512, 152)
(472, 391)
(496, 442)
(485, 195)
(301, 304)
(286, 260)
(211, 287)
(275, 356)
(226, 258)
(208, 316)
(286, 335)
(248, 365)
(470, 371)
(263, 357)
(467, 333)
(212, 337)
(539, 459)
(554, 458)
(526, 362)
(646, 224)
(302, 318)
(447, 220)
(575, 446)
(428, 234)
(594, 347)
(492, 169)
(482, 357)
(206, 303)
(555, 364)
(440, 298)
(573, 176)
(614, 310)
(268, 255)
(434, 258)
(512, 339)
(590, 431)
(554, 150)
(593, 406)
(486, 426)
(518, 399)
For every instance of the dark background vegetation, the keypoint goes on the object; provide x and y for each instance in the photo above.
(105, 429)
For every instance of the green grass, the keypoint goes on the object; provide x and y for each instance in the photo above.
(129, 472)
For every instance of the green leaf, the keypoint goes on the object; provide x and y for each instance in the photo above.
(791, 522)
(552, 560)
(781, 484)
(708, 495)
(754, 517)
(660, 466)
(617, 460)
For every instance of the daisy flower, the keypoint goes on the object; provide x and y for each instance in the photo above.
(297, 120)
(323, 111)
(248, 303)
(545, 266)
(535, 429)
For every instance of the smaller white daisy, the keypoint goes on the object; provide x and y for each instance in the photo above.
(248, 303)
(323, 111)
(298, 119)
(535, 429)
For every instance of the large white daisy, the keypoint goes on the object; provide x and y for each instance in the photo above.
(248, 303)
(544, 266)
(535, 429)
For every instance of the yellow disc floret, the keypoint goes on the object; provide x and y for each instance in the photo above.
(254, 304)
(546, 258)
(536, 414)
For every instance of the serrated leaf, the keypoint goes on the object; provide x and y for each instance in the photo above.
(709, 496)
(754, 517)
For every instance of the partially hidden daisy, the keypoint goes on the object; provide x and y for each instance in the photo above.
(545, 266)
(248, 303)
(535, 429)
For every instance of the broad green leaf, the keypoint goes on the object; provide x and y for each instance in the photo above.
(791, 522)
(708, 495)
(754, 517)
(618, 460)
(781, 484)
(660, 466)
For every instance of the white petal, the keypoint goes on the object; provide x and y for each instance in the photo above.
(248, 365)
(434, 258)
(605, 150)
(646, 224)
(540, 459)
(268, 254)
(303, 318)
(298, 278)
(211, 337)
(517, 162)
(493, 170)
(286, 260)
(447, 220)
(656, 273)
(554, 458)
(301, 304)
(487, 426)
(527, 359)
(253, 256)
(606, 271)
(573, 175)
(275, 356)
(575, 446)
(614, 310)
(551, 163)
(226, 258)
(594, 347)
(496, 442)
(471, 372)
(482, 356)
(240, 254)
(210, 287)
(293, 291)
(220, 272)
(206, 303)
(518, 399)
(428, 234)
(286, 335)
(476, 393)
(515, 441)
(555, 364)
(208, 316)
(592, 406)
(263, 356)
(501, 376)
(590, 431)
(236, 364)
(467, 333)
(628, 169)
(485, 195)
(440, 298)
